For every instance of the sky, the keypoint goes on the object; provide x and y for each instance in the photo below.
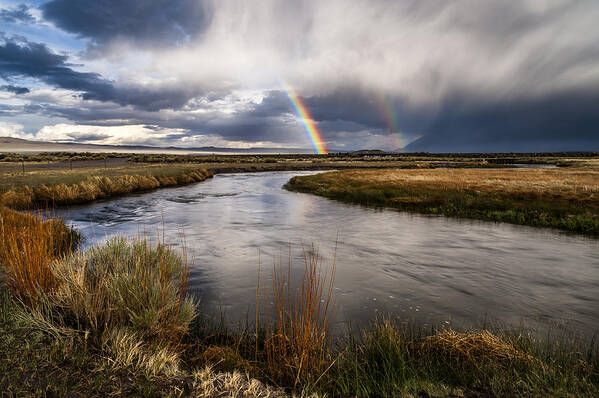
(417, 75)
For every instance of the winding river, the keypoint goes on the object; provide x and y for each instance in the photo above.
(423, 269)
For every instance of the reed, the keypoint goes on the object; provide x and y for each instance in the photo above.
(388, 361)
(297, 335)
(28, 245)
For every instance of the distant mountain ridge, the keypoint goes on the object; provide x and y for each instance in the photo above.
(10, 144)
(465, 144)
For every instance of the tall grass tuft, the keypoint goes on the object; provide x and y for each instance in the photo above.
(296, 339)
(123, 284)
(28, 245)
(127, 298)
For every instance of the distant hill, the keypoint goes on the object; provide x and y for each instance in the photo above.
(467, 144)
(372, 152)
(9, 144)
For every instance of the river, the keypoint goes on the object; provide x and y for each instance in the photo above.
(422, 269)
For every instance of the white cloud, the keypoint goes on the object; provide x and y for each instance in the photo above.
(135, 135)
(109, 135)
(13, 130)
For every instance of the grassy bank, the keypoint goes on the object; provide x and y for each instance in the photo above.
(47, 189)
(62, 178)
(34, 184)
(117, 320)
(105, 322)
(567, 199)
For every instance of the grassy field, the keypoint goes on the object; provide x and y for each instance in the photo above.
(564, 198)
(38, 174)
(42, 173)
(117, 320)
(63, 178)
(49, 186)
(60, 181)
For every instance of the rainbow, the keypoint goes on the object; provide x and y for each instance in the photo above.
(307, 121)
(388, 110)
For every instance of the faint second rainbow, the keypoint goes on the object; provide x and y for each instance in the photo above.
(307, 120)
(387, 108)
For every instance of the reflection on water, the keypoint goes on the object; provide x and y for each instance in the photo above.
(424, 268)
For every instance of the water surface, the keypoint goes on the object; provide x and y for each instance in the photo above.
(427, 269)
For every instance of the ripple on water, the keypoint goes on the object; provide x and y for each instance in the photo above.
(445, 269)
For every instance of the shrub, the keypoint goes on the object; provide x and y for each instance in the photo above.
(128, 299)
(123, 284)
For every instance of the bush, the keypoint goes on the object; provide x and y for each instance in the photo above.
(126, 285)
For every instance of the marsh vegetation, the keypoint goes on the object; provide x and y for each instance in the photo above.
(564, 198)
(58, 188)
(117, 319)
(63, 178)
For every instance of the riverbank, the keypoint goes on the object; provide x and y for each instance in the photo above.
(49, 189)
(142, 334)
(62, 178)
(38, 185)
(567, 199)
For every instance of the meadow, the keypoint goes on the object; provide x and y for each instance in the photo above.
(564, 198)
(44, 186)
(63, 178)
(117, 320)
(59, 179)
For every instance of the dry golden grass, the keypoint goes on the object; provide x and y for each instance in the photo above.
(564, 198)
(92, 188)
(473, 348)
(126, 350)
(208, 384)
(28, 245)
(566, 183)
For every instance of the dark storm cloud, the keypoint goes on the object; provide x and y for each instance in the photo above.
(463, 75)
(463, 121)
(75, 136)
(26, 59)
(148, 22)
(565, 121)
(14, 89)
(16, 14)
(347, 104)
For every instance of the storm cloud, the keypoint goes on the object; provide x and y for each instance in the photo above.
(148, 22)
(27, 59)
(430, 75)
(14, 89)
